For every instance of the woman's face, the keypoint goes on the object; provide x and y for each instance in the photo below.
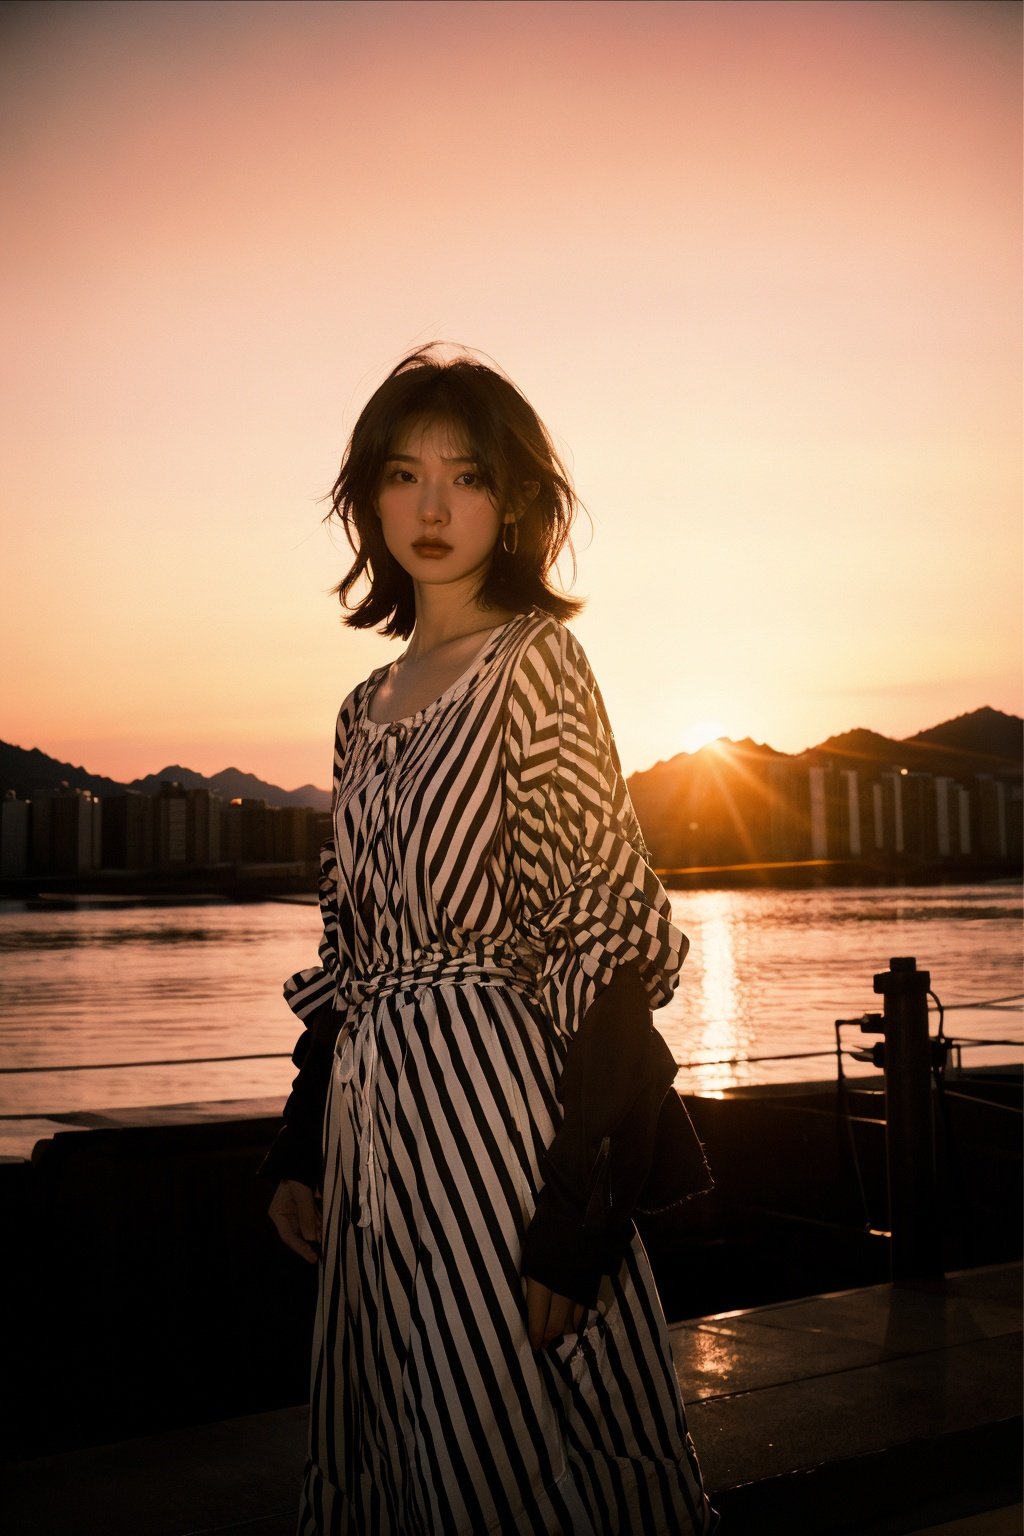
(439, 520)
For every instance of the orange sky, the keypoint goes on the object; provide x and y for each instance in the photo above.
(757, 266)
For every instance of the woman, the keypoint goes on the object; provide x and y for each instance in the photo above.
(480, 1362)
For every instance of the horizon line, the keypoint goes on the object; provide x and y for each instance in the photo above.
(913, 740)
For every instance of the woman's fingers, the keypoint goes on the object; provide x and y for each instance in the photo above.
(549, 1315)
(295, 1213)
(564, 1316)
(538, 1301)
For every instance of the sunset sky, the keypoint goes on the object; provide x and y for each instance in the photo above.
(756, 265)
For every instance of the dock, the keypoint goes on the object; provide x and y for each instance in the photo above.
(879, 1411)
(871, 1412)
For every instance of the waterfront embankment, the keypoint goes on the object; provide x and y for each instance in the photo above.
(149, 1291)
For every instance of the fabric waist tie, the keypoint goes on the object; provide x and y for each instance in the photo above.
(488, 964)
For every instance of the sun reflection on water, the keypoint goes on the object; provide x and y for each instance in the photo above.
(718, 979)
(710, 1018)
(767, 974)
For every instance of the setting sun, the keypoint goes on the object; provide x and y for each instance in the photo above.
(701, 734)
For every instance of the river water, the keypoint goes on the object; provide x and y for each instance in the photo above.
(767, 974)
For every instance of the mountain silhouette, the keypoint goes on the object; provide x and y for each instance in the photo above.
(984, 741)
(862, 743)
(29, 772)
(985, 730)
(234, 784)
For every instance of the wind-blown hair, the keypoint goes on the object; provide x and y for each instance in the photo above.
(512, 448)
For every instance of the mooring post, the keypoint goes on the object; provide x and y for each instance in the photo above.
(909, 1134)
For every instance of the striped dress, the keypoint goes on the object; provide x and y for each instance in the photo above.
(486, 877)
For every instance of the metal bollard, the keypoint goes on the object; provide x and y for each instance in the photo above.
(909, 1132)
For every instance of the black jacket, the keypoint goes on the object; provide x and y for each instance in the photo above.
(297, 1152)
(625, 1146)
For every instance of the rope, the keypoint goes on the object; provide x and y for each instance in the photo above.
(992, 1002)
(969, 1040)
(743, 1061)
(731, 1061)
(171, 1061)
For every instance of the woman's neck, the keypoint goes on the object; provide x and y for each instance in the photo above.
(443, 616)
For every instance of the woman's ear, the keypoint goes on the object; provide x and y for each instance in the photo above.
(527, 495)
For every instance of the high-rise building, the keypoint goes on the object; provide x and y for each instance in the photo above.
(789, 815)
(66, 832)
(128, 831)
(849, 800)
(990, 829)
(246, 832)
(819, 811)
(203, 826)
(170, 824)
(945, 791)
(14, 815)
(889, 812)
(288, 834)
(963, 821)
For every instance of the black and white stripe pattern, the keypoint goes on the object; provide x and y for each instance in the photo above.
(489, 875)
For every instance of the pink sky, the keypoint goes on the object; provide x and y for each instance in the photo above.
(757, 265)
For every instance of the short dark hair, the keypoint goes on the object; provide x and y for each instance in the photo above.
(512, 448)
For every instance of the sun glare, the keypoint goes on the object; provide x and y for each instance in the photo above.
(701, 733)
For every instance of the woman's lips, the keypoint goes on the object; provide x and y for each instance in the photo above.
(431, 548)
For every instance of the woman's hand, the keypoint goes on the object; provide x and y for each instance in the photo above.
(295, 1211)
(549, 1315)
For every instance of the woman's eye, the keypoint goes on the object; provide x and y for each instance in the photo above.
(471, 478)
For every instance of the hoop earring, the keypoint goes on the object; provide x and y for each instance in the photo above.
(512, 523)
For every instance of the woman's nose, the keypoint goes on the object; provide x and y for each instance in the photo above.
(433, 503)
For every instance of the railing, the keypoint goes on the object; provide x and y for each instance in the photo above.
(837, 1052)
(169, 1061)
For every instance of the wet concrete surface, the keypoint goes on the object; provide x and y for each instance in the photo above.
(876, 1412)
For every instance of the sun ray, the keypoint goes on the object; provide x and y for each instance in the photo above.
(701, 733)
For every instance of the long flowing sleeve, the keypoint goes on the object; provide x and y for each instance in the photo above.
(296, 1150)
(590, 900)
(597, 913)
(311, 994)
(309, 989)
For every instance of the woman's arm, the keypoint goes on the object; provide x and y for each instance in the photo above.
(595, 905)
(296, 1151)
(294, 1161)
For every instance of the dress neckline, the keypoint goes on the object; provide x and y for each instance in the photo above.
(453, 691)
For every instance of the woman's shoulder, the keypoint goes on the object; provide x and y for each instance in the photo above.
(550, 657)
(551, 685)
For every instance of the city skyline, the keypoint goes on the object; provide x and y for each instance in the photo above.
(979, 724)
(756, 265)
(945, 804)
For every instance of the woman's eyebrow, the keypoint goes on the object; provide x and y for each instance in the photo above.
(410, 458)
